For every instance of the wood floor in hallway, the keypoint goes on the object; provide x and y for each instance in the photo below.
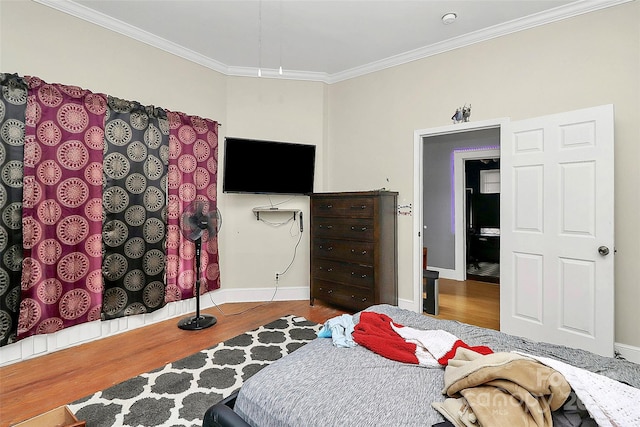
(470, 301)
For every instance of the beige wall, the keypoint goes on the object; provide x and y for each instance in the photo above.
(252, 251)
(585, 61)
(40, 41)
(363, 126)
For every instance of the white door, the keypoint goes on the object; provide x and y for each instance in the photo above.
(557, 243)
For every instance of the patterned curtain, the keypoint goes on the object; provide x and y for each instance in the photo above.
(135, 198)
(13, 101)
(193, 166)
(91, 192)
(62, 208)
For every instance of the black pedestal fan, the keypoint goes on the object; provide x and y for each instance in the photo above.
(194, 221)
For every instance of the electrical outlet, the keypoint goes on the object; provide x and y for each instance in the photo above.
(277, 276)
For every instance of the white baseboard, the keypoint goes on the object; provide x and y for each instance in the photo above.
(629, 352)
(222, 296)
(446, 273)
(407, 304)
(39, 345)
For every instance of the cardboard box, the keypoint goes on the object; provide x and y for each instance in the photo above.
(59, 417)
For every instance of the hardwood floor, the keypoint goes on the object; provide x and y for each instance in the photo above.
(35, 386)
(474, 302)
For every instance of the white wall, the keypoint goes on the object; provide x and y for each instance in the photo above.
(584, 61)
(39, 41)
(252, 251)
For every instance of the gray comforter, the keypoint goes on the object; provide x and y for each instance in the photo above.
(323, 385)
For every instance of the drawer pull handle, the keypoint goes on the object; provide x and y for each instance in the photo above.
(364, 300)
(354, 228)
(330, 248)
(329, 270)
(326, 206)
(328, 227)
(353, 251)
(362, 276)
(330, 291)
(359, 207)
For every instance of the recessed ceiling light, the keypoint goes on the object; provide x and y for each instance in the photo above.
(449, 18)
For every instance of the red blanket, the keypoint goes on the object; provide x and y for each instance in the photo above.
(432, 348)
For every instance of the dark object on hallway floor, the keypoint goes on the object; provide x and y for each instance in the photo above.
(430, 291)
(484, 272)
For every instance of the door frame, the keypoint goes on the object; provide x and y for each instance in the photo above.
(418, 190)
(460, 196)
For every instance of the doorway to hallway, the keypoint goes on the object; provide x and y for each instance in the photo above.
(482, 218)
(470, 301)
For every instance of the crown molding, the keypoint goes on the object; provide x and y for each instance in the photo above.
(553, 15)
(79, 11)
(562, 12)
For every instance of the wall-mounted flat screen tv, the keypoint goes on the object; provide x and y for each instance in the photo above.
(268, 167)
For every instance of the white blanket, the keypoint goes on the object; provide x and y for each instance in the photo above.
(610, 403)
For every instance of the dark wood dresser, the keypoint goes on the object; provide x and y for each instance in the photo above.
(354, 250)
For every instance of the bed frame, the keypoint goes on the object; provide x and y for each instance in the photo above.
(221, 414)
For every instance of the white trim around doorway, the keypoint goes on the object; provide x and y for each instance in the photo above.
(418, 190)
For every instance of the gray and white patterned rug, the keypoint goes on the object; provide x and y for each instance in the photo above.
(179, 393)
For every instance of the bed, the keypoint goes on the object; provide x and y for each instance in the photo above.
(324, 385)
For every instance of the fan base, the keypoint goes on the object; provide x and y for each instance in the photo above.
(195, 323)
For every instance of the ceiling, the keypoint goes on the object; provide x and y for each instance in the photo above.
(324, 40)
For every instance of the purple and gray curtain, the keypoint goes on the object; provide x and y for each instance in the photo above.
(135, 205)
(87, 218)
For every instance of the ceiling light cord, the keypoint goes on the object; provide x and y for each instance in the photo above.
(260, 38)
(280, 34)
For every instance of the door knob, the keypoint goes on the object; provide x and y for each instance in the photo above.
(603, 250)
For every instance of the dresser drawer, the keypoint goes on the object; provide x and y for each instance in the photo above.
(344, 250)
(343, 228)
(348, 296)
(355, 274)
(357, 207)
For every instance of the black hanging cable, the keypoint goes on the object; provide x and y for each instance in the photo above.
(295, 250)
